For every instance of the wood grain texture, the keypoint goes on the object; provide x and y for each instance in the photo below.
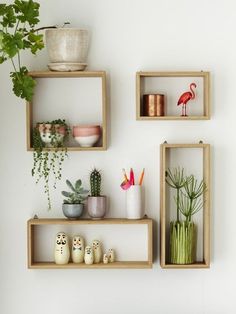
(76, 74)
(206, 209)
(140, 76)
(32, 223)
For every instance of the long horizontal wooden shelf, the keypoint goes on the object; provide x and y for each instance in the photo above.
(52, 74)
(32, 234)
(121, 264)
(74, 149)
(173, 73)
(108, 221)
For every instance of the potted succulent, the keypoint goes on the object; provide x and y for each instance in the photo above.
(49, 152)
(188, 200)
(73, 206)
(96, 201)
(17, 34)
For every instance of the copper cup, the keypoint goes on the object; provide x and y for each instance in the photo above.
(153, 105)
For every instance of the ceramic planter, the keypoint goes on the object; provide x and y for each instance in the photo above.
(182, 242)
(97, 206)
(134, 202)
(67, 48)
(72, 211)
(47, 131)
(86, 135)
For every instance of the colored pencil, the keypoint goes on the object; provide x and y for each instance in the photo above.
(141, 177)
(125, 175)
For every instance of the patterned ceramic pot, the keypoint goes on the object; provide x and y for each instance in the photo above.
(52, 135)
(86, 135)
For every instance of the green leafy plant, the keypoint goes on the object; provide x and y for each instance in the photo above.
(47, 162)
(78, 194)
(17, 34)
(95, 182)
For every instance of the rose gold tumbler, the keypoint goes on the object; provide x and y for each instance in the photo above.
(153, 105)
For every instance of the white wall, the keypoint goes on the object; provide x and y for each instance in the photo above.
(127, 36)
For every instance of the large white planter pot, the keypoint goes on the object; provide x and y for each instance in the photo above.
(67, 48)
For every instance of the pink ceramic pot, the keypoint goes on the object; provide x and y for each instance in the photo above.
(86, 135)
(97, 206)
(45, 130)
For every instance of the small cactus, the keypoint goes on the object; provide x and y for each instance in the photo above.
(95, 182)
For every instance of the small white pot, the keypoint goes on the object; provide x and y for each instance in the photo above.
(67, 45)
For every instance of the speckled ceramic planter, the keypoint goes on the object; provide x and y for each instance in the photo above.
(97, 206)
(72, 211)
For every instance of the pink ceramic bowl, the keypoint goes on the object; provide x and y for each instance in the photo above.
(86, 135)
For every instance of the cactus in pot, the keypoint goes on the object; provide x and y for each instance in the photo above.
(96, 201)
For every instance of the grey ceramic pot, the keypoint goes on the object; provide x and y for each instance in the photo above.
(72, 211)
(97, 206)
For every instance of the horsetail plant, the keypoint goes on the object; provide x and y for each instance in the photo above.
(95, 182)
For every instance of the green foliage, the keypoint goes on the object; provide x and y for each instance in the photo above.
(48, 163)
(95, 182)
(78, 194)
(188, 192)
(18, 33)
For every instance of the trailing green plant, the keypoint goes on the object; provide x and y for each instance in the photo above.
(78, 194)
(17, 34)
(47, 162)
(95, 182)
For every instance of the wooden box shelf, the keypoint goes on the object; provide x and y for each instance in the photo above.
(170, 154)
(34, 224)
(172, 84)
(70, 101)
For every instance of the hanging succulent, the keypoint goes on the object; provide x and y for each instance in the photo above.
(49, 153)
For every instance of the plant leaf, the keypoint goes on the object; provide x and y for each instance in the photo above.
(23, 85)
(78, 184)
(28, 11)
(70, 185)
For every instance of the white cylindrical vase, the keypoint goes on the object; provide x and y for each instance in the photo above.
(135, 202)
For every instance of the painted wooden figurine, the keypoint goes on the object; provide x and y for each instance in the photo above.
(105, 259)
(77, 249)
(111, 255)
(97, 251)
(61, 250)
(88, 255)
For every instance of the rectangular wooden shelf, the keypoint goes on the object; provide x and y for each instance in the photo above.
(70, 75)
(34, 264)
(141, 90)
(164, 212)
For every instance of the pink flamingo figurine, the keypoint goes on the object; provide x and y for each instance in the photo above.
(185, 97)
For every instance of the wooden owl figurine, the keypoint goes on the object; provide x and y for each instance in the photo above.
(88, 255)
(61, 250)
(105, 259)
(97, 251)
(77, 251)
(111, 255)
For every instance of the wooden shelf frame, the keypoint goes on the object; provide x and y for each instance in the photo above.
(31, 231)
(206, 209)
(140, 76)
(75, 74)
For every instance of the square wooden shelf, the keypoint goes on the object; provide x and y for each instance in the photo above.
(172, 153)
(171, 85)
(33, 233)
(74, 101)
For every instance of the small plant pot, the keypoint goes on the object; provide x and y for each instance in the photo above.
(72, 211)
(67, 48)
(52, 136)
(97, 206)
(182, 242)
(86, 135)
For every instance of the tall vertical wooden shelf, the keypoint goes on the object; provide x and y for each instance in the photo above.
(70, 75)
(164, 211)
(32, 225)
(141, 78)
